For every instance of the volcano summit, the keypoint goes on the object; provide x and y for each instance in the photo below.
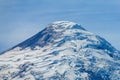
(62, 51)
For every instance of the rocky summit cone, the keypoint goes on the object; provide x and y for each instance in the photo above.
(62, 51)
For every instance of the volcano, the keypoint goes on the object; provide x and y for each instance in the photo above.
(62, 51)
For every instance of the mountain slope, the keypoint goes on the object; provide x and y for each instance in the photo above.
(62, 51)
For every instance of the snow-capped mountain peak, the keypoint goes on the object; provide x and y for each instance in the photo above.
(62, 51)
(52, 32)
(65, 25)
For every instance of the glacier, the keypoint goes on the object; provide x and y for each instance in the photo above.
(64, 50)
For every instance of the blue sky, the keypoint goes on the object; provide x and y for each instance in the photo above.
(21, 19)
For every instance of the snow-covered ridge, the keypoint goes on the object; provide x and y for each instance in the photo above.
(65, 25)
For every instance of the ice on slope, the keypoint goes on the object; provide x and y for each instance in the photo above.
(62, 51)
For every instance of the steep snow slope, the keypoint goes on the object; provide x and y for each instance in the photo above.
(62, 51)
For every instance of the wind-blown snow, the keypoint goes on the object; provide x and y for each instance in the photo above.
(62, 51)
